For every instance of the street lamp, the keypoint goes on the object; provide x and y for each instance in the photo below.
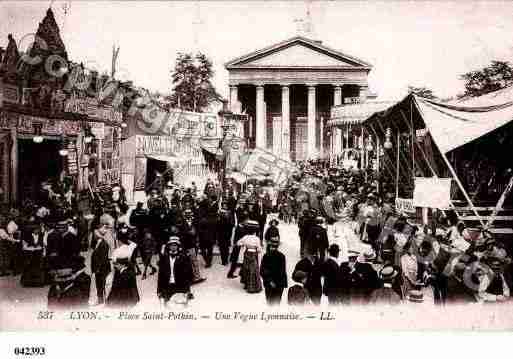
(38, 138)
(388, 143)
(369, 146)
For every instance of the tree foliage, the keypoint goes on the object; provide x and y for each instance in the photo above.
(191, 79)
(422, 92)
(497, 75)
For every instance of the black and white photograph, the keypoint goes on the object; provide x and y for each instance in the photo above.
(186, 165)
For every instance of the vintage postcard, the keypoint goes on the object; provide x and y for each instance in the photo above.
(216, 165)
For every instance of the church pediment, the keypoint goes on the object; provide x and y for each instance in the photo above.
(298, 52)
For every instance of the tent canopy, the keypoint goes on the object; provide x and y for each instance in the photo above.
(450, 125)
(454, 126)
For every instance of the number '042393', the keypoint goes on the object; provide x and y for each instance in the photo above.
(29, 351)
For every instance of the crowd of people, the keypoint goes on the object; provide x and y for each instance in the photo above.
(354, 247)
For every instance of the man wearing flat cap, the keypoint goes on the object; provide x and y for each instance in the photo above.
(175, 271)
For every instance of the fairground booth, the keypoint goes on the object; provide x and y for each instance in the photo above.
(176, 146)
(450, 157)
(52, 131)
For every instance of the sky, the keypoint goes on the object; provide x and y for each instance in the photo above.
(407, 42)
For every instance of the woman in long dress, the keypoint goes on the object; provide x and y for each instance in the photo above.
(124, 292)
(250, 252)
(33, 270)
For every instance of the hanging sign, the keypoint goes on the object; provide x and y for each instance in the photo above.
(432, 192)
(404, 205)
(11, 94)
(72, 158)
(91, 108)
(110, 176)
(97, 129)
(50, 126)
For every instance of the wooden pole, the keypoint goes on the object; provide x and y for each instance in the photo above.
(390, 172)
(362, 143)
(498, 207)
(397, 168)
(405, 162)
(412, 130)
(14, 167)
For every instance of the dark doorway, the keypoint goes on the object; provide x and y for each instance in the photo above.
(154, 168)
(37, 162)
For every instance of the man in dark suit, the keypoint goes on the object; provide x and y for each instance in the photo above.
(224, 232)
(158, 214)
(273, 272)
(71, 286)
(100, 264)
(261, 211)
(332, 279)
(302, 224)
(207, 228)
(311, 265)
(139, 219)
(317, 239)
(175, 271)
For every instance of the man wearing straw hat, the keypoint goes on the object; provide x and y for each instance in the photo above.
(386, 295)
(175, 271)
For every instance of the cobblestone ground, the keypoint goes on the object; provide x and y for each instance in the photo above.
(216, 288)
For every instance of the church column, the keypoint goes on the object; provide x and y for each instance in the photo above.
(321, 136)
(337, 133)
(260, 118)
(337, 95)
(234, 97)
(235, 108)
(364, 90)
(338, 141)
(311, 121)
(285, 120)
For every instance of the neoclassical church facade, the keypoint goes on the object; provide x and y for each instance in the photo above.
(288, 90)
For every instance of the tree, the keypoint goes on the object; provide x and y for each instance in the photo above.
(191, 79)
(498, 75)
(422, 92)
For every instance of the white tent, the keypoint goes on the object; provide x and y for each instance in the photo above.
(454, 126)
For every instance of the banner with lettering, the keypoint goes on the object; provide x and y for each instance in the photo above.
(404, 205)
